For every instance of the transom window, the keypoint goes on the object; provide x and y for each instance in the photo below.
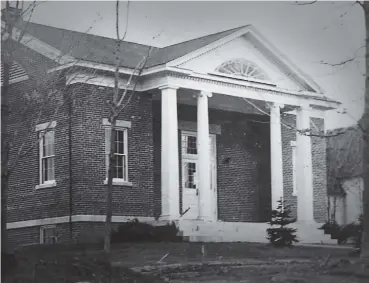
(189, 144)
(244, 68)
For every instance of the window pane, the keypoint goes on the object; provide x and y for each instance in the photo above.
(119, 167)
(119, 142)
(48, 169)
(189, 144)
(48, 143)
(190, 175)
(120, 136)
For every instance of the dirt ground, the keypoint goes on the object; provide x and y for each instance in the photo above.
(190, 262)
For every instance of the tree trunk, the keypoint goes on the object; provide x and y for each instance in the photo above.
(365, 126)
(109, 199)
(4, 153)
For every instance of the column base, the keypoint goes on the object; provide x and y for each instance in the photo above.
(169, 217)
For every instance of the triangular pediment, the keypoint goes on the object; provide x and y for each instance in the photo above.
(249, 56)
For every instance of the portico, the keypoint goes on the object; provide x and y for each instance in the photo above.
(274, 108)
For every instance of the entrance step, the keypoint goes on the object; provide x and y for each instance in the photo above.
(200, 231)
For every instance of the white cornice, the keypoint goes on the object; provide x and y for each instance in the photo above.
(207, 83)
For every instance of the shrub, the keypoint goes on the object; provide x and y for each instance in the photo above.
(281, 236)
(135, 231)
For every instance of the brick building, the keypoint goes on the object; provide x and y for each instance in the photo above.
(208, 139)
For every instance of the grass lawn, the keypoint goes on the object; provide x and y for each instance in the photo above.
(186, 262)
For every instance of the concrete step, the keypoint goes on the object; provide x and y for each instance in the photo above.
(199, 231)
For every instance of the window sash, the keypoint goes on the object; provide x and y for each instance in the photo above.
(46, 155)
(48, 235)
(121, 144)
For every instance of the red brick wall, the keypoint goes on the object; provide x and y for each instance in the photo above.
(319, 168)
(243, 182)
(88, 151)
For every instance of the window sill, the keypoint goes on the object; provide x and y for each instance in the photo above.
(46, 185)
(119, 182)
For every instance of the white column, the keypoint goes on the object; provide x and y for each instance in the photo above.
(169, 154)
(203, 151)
(276, 154)
(304, 170)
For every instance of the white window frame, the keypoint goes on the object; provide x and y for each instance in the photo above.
(40, 129)
(294, 168)
(189, 158)
(120, 126)
(43, 228)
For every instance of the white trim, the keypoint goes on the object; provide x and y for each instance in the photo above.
(99, 80)
(192, 127)
(42, 228)
(313, 113)
(44, 126)
(198, 52)
(75, 218)
(119, 182)
(119, 123)
(47, 184)
(203, 82)
(240, 89)
(120, 126)
(243, 31)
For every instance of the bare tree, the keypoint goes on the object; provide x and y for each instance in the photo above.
(47, 99)
(120, 99)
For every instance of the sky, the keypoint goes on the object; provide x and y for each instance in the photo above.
(309, 35)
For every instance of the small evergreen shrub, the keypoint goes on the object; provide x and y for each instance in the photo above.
(281, 236)
(135, 231)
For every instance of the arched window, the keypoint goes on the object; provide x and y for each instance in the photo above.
(244, 68)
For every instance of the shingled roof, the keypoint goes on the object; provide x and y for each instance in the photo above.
(344, 156)
(98, 49)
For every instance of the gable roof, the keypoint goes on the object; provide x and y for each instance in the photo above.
(344, 156)
(98, 49)
(69, 45)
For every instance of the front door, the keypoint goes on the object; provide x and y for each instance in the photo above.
(190, 201)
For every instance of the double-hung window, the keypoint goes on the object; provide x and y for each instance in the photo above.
(120, 149)
(46, 136)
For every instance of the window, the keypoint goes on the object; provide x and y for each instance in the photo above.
(243, 68)
(120, 168)
(46, 135)
(189, 160)
(48, 234)
(294, 167)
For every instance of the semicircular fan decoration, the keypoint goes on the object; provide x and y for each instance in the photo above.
(244, 68)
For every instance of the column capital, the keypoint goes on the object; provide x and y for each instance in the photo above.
(168, 86)
(205, 93)
(276, 105)
(305, 107)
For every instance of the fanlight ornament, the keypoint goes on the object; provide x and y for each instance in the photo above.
(244, 68)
